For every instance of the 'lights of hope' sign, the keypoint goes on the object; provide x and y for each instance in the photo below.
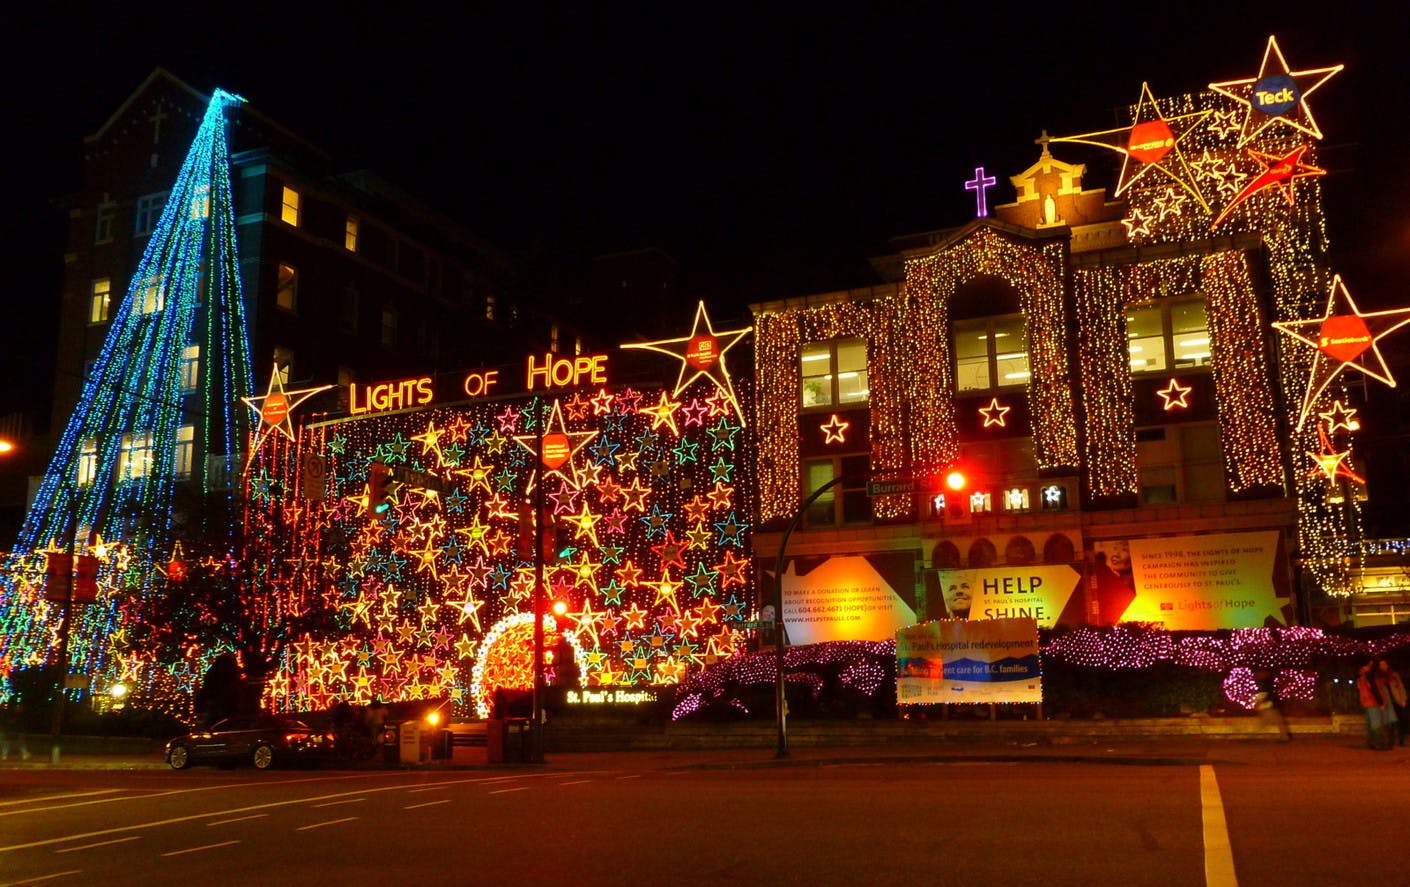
(549, 373)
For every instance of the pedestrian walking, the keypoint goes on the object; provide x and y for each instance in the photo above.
(1395, 689)
(1380, 715)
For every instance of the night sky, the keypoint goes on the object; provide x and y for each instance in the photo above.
(771, 148)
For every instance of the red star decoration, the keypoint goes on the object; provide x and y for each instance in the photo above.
(1274, 76)
(1332, 464)
(1175, 394)
(1277, 171)
(994, 413)
(834, 431)
(1344, 338)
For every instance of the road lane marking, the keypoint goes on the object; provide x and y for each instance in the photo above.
(182, 791)
(427, 804)
(99, 844)
(237, 819)
(200, 848)
(1218, 853)
(501, 791)
(337, 803)
(44, 798)
(41, 878)
(304, 828)
(198, 816)
(631, 776)
(575, 782)
(434, 788)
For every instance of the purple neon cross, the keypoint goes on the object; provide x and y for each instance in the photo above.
(980, 185)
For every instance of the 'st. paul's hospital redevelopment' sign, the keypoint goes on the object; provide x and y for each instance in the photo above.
(551, 372)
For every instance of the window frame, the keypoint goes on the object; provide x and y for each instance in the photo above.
(832, 350)
(290, 210)
(147, 212)
(832, 509)
(95, 315)
(992, 357)
(1166, 308)
(286, 282)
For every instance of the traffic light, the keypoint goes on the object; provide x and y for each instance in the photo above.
(951, 503)
(379, 488)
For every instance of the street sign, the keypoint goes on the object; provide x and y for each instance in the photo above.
(761, 623)
(895, 487)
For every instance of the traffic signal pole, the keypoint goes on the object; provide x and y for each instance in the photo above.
(780, 697)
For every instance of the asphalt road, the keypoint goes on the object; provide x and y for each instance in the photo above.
(630, 821)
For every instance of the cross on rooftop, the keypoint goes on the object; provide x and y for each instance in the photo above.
(980, 185)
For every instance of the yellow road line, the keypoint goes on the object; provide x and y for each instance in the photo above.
(200, 848)
(99, 844)
(1218, 852)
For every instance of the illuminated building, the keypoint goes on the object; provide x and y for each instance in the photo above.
(1104, 372)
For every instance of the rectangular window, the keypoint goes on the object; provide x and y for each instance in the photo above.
(151, 295)
(389, 327)
(1168, 335)
(348, 311)
(148, 212)
(489, 306)
(100, 302)
(185, 450)
(289, 207)
(201, 203)
(103, 223)
(190, 370)
(286, 294)
(991, 352)
(1016, 499)
(834, 373)
(284, 363)
(350, 235)
(135, 457)
(981, 503)
(87, 462)
(846, 503)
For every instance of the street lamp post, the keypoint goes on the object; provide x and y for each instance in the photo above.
(780, 698)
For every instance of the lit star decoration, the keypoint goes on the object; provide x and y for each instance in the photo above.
(1345, 338)
(1340, 418)
(702, 355)
(560, 446)
(834, 430)
(1277, 95)
(1151, 142)
(1331, 464)
(1277, 171)
(994, 414)
(1175, 395)
(274, 409)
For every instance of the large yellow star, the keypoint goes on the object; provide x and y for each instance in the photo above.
(273, 409)
(1344, 338)
(560, 446)
(1152, 141)
(1276, 95)
(702, 353)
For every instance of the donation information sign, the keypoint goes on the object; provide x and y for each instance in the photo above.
(1203, 583)
(968, 660)
(859, 597)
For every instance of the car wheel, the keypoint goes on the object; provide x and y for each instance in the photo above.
(263, 757)
(180, 757)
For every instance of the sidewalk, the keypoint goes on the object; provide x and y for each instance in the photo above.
(816, 744)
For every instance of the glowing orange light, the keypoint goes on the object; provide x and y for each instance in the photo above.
(6, 446)
(559, 608)
(956, 480)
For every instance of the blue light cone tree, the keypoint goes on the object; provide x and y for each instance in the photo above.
(110, 489)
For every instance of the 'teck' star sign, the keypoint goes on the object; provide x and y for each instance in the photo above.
(703, 352)
(273, 409)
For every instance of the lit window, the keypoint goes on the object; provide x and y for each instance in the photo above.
(489, 306)
(1054, 497)
(103, 223)
(289, 210)
(350, 235)
(389, 327)
(151, 295)
(190, 369)
(135, 458)
(286, 295)
(284, 363)
(101, 300)
(148, 212)
(185, 450)
(834, 373)
(87, 462)
(1167, 335)
(846, 503)
(201, 203)
(1016, 499)
(980, 503)
(553, 337)
(991, 352)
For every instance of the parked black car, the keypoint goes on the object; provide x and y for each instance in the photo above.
(261, 741)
